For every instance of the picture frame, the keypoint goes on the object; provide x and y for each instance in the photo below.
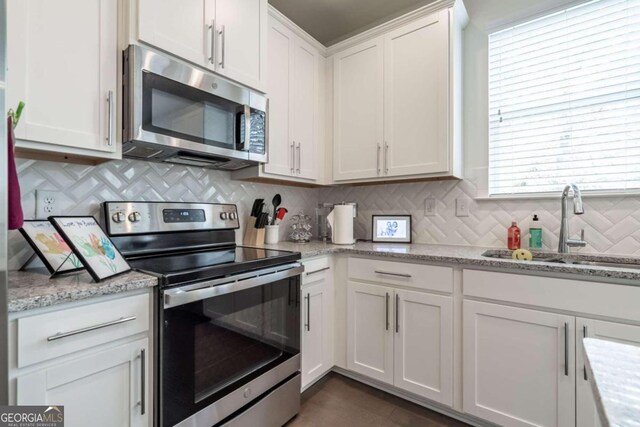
(391, 228)
(92, 246)
(50, 247)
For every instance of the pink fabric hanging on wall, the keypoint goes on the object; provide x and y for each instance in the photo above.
(14, 212)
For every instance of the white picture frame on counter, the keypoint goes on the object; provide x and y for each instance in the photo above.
(391, 228)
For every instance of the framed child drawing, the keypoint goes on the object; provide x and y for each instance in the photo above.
(92, 246)
(55, 253)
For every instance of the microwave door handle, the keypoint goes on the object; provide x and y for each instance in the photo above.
(247, 129)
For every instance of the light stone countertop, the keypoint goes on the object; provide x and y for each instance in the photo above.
(614, 373)
(34, 288)
(467, 256)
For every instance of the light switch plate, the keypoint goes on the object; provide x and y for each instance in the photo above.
(462, 207)
(430, 206)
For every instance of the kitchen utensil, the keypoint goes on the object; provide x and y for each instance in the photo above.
(277, 200)
(271, 234)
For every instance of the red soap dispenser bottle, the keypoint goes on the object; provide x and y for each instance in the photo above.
(513, 237)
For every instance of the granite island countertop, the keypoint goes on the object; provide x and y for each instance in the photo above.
(614, 372)
(34, 288)
(467, 256)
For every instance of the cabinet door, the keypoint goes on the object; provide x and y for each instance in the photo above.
(242, 41)
(424, 345)
(305, 78)
(101, 389)
(62, 60)
(586, 412)
(280, 93)
(357, 115)
(416, 76)
(370, 331)
(518, 365)
(180, 27)
(315, 336)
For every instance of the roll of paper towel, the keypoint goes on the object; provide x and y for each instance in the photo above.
(341, 222)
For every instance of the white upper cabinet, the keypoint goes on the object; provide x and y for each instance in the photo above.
(518, 366)
(62, 59)
(177, 26)
(295, 108)
(397, 101)
(226, 36)
(358, 112)
(416, 97)
(241, 27)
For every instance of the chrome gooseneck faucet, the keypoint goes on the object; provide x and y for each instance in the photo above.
(564, 241)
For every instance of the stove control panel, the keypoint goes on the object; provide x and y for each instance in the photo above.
(122, 218)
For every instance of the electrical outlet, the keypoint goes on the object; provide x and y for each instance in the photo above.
(430, 206)
(47, 203)
(462, 206)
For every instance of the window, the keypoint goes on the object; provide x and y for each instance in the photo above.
(564, 101)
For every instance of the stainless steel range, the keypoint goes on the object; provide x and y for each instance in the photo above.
(227, 316)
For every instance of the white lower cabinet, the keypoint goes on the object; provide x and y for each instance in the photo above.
(518, 365)
(403, 338)
(317, 321)
(107, 388)
(586, 413)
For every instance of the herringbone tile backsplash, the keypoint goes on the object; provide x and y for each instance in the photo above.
(612, 224)
(83, 187)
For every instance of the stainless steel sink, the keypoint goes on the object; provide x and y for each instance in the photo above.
(571, 259)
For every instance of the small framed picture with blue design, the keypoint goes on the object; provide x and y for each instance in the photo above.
(391, 228)
(91, 245)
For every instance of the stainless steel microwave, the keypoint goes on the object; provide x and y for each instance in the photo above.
(177, 113)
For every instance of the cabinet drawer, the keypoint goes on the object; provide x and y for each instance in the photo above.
(418, 276)
(46, 336)
(315, 270)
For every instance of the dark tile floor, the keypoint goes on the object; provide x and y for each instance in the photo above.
(338, 401)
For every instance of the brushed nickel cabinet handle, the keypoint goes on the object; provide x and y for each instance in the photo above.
(386, 158)
(378, 159)
(293, 157)
(317, 271)
(212, 28)
(110, 118)
(566, 349)
(308, 325)
(397, 313)
(222, 35)
(584, 367)
(143, 377)
(388, 273)
(299, 151)
(61, 335)
(386, 311)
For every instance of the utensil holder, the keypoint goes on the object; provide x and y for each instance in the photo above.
(272, 234)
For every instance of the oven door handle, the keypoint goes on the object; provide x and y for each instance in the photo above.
(214, 288)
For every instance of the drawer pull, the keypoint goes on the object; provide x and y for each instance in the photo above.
(143, 381)
(566, 349)
(317, 271)
(61, 335)
(392, 274)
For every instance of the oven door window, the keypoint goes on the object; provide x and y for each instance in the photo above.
(214, 346)
(180, 111)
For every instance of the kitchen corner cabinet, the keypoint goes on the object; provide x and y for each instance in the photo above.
(107, 388)
(293, 88)
(316, 320)
(401, 337)
(397, 102)
(226, 36)
(518, 365)
(586, 412)
(62, 62)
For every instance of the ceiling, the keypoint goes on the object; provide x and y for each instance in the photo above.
(330, 21)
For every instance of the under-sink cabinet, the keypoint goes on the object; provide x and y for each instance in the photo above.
(317, 302)
(399, 336)
(94, 358)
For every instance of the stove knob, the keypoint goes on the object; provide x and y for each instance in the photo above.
(223, 216)
(233, 215)
(118, 217)
(135, 216)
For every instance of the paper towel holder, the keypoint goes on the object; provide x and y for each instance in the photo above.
(391, 228)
